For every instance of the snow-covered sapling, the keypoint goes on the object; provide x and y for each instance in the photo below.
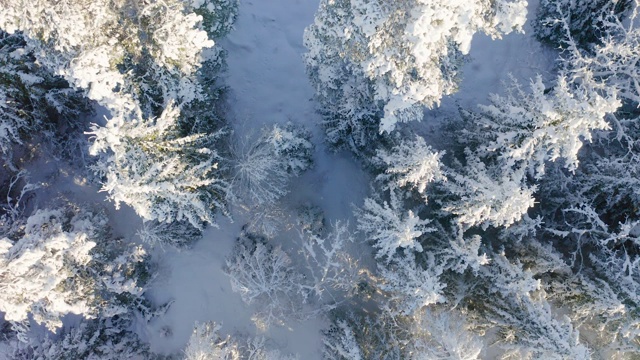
(332, 272)
(263, 167)
(99, 339)
(264, 277)
(205, 343)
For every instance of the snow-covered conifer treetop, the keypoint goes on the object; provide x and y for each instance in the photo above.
(412, 164)
(87, 41)
(409, 50)
(56, 268)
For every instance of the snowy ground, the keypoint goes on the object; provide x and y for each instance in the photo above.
(268, 85)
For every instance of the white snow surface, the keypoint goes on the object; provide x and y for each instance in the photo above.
(268, 85)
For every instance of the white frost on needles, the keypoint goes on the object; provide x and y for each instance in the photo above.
(35, 270)
(412, 164)
(390, 227)
(408, 50)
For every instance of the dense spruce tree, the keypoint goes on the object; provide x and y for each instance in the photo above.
(149, 65)
(376, 63)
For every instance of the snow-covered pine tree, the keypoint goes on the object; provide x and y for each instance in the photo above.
(510, 143)
(582, 20)
(607, 179)
(65, 262)
(543, 303)
(481, 195)
(375, 63)
(530, 129)
(390, 227)
(594, 297)
(353, 336)
(105, 48)
(340, 342)
(132, 58)
(98, 339)
(445, 334)
(410, 164)
(511, 297)
(512, 139)
(33, 102)
(432, 334)
(410, 286)
(592, 217)
(218, 16)
(163, 175)
(179, 234)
